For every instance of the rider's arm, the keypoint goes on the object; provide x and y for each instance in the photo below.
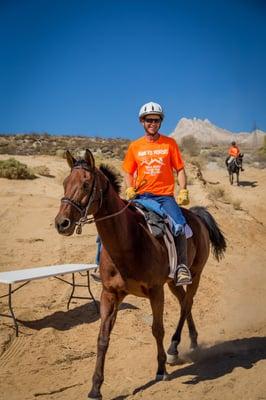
(129, 179)
(182, 178)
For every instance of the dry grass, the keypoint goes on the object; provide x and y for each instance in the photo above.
(42, 170)
(13, 169)
(237, 204)
(219, 193)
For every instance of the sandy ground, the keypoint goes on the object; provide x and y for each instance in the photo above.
(54, 355)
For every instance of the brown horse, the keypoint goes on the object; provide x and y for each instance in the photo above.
(132, 260)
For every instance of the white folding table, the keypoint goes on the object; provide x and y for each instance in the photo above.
(24, 276)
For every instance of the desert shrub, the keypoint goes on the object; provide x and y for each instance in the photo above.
(237, 204)
(217, 192)
(42, 170)
(199, 161)
(13, 169)
(121, 153)
(220, 194)
(260, 155)
(190, 145)
(60, 153)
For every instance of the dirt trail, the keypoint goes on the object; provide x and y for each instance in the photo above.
(54, 356)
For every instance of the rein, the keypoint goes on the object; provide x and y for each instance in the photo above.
(83, 210)
(92, 220)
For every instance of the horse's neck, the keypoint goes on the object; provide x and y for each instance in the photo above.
(118, 224)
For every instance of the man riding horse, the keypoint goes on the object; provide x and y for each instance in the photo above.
(233, 153)
(149, 165)
(234, 163)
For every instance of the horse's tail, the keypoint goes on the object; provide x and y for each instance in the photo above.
(217, 238)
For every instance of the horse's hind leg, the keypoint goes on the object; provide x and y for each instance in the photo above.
(186, 301)
(180, 294)
(156, 296)
(109, 306)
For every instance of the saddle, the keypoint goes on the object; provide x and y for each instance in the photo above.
(160, 227)
(156, 223)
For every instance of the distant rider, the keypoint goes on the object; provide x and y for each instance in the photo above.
(233, 152)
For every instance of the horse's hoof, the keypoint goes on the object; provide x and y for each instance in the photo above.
(92, 396)
(162, 377)
(172, 359)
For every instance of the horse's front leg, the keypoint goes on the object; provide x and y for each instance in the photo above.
(237, 178)
(156, 296)
(108, 309)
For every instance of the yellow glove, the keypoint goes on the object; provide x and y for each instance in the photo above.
(183, 197)
(131, 193)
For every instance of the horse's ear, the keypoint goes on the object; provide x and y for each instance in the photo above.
(70, 159)
(89, 158)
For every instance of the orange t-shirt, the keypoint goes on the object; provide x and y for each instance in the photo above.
(152, 163)
(234, 151)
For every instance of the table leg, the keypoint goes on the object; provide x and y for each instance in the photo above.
(73, 290)
(11, 309)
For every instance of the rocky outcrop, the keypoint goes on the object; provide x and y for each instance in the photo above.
(209, 134)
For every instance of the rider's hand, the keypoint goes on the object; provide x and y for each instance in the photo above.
(131, 193)
(183, 197)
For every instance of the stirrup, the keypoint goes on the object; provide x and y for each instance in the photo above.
(183, 275)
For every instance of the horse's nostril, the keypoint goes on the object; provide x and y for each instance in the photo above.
(65, 224)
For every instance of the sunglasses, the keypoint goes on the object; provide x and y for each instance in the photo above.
(151, 120)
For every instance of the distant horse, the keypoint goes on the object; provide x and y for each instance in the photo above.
(132, 260)
(234, 167)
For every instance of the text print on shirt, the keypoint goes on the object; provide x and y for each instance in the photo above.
(152, 164)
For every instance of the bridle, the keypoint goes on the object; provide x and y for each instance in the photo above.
(84, 209)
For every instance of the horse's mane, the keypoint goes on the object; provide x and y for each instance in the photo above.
(113, 176)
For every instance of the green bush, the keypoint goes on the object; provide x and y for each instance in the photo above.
(13, 169)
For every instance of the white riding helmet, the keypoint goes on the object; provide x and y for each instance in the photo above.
(151, 108)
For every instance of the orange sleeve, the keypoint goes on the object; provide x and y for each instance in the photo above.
(176, 158)
(129, 164)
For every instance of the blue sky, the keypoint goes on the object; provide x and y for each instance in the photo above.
(86, 66)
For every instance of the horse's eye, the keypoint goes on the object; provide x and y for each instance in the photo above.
(86, 186)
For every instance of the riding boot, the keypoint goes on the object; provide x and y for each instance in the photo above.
(182, 275)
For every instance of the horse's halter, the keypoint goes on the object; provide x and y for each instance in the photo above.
(84, 210)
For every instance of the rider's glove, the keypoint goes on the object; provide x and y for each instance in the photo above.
(183, 197)
(131, 193)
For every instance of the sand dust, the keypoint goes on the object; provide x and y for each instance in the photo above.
(54, 355)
